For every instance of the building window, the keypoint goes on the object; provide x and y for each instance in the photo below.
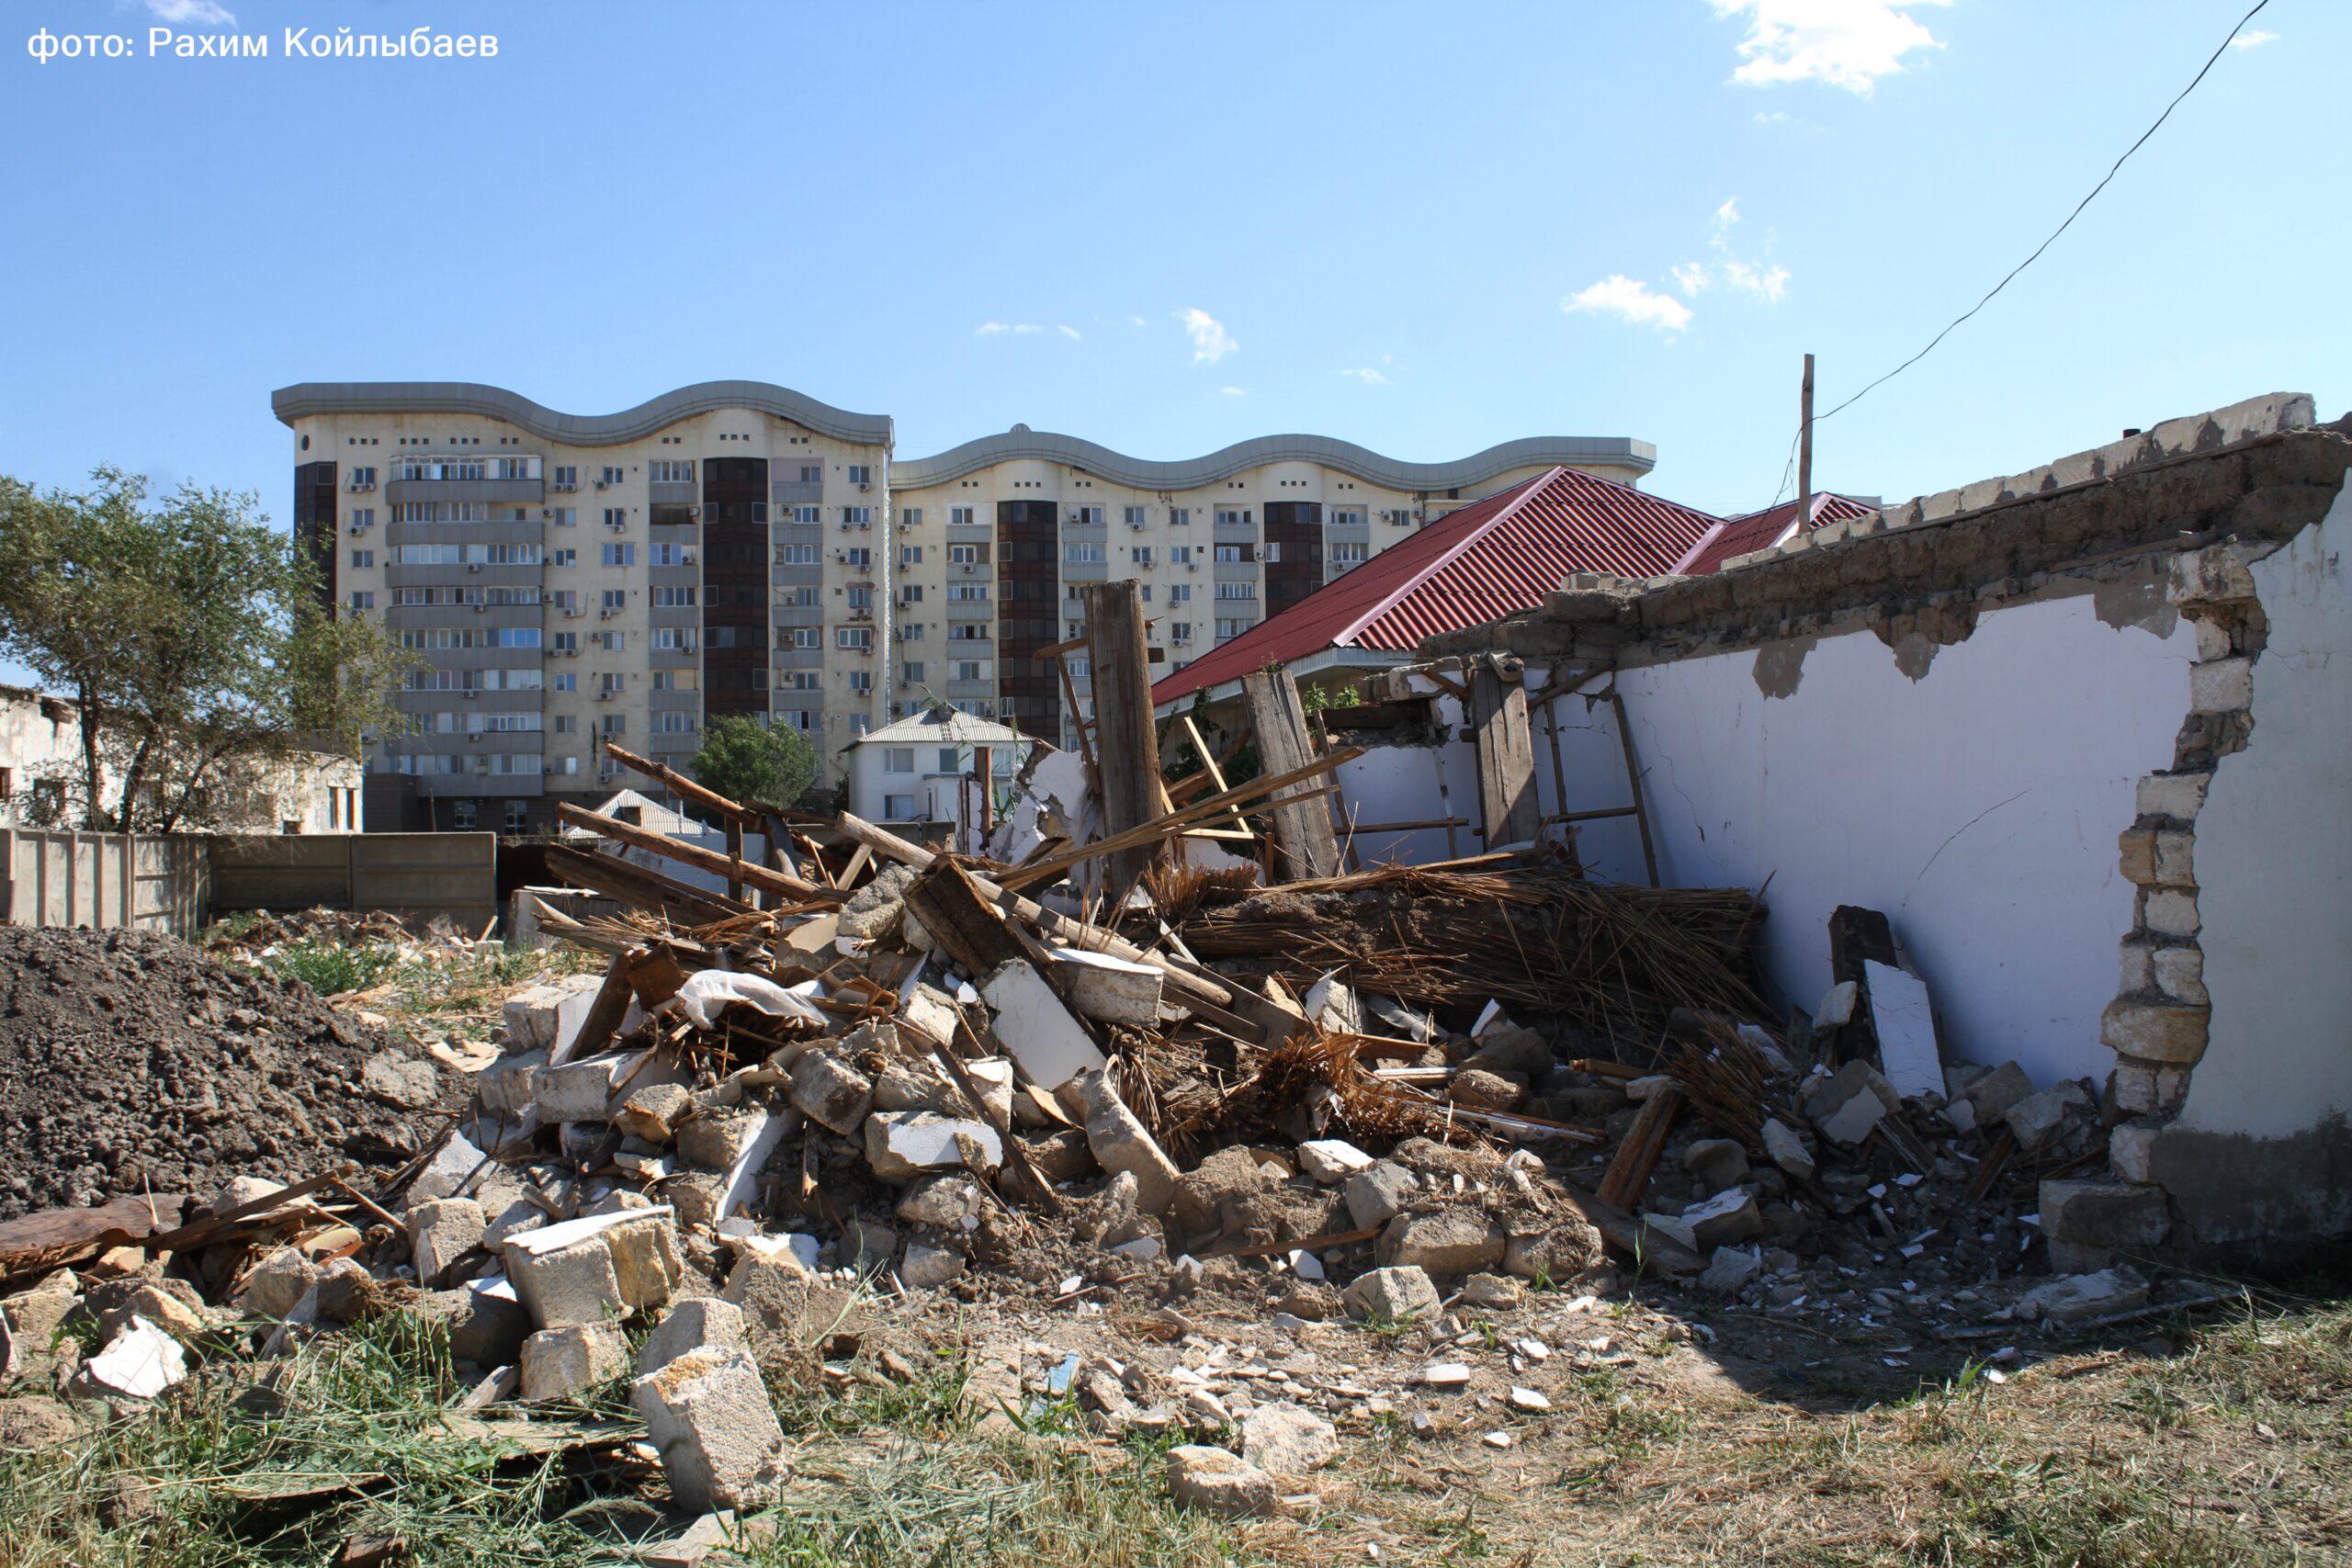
(567, 477)
(1232, 518)
(911, 594)
(1236, 590)
(565, 516)
(462, 814)
(671, 470)
(898, 808)
(1180, 555)
(805, 638)
(1082, 555)
(362, 600)
(861, 638)
(968, 631)
(1345, 556)
(861, 596)
(910, 554)
(611, 477)
(517, 815)
(615, 600)
(911, 517)
(625, 555)
(563, 557)
(612, 724)
(859, 474)
(960, 517)
(362, 559)
(861, 681)
(897, 758)
(1140, 555)
(857, 516)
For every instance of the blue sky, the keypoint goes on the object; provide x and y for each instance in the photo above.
(1169, 226)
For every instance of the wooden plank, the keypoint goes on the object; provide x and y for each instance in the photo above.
(1507, 801)
(1210, 766)
(1634, 777)
(640, 886)
(1636, 1158)
(55, 1236)
(1127, 739)
(965, 925)
(1306, 847)
(662, 844)
(682, 786)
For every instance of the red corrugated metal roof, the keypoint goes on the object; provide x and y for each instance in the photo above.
(1492, 558)
(1761, 530)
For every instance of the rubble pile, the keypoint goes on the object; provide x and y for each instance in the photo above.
(130, 1062)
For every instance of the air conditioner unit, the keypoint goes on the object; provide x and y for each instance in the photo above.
(570, 653)
(480, 608)
(473, 566)
(862, 489)
(903, 685)
(358, 529)
(574, 613)
(562, 489)
(601, 483)
(471, 693)
(863, 527)
(606, 615)
(1137, 526)
(1192, 566)
(694, 511)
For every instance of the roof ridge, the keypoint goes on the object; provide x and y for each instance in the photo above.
(1528, 489)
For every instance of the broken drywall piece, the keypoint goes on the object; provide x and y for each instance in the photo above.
(704, 994)
(1108, 989)
(1906, 1022)
(141, 1361)
(1051, 1046)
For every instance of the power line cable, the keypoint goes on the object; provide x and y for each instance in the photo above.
(2011, 275)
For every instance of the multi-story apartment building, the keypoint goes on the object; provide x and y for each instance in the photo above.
(737, 547)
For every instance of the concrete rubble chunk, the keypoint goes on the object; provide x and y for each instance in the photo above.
(717, 1139)
(1283, 1439)
(505, 1085)
(1121, 1144)
(781, 1297)
(1218, 1481)
(456, 1162)
(2075, 1298)
(1725, 1218)
(708, 1416)
(2104, 1213)
(655, 1113)
(1109, 989)
(401, 1081)
(693, 1323)
(2037, 1118)
(1331, 1160)
(1836, 1008)
(241, 1191)
(441, 1231)
(928, 1267)
(1496, 1293)
(1229, 1176)
(1992, 1093)
(1450, 1241)
(1559, 1252)
(577, 1091)
(596, 1268)
(830, 1092)
(1786, 1149)
(275, 1283)
(1730, 1269)
(559, 1363)
(1376, 1195)
(945, 1202)
(1392, 1294)
(902, 1144)
(1847, 1104)
(485, 1323)
(1719, 1163)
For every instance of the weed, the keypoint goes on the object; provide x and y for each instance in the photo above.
(331, 970)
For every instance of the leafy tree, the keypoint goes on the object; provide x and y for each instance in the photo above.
(195, 638)
(754, 763)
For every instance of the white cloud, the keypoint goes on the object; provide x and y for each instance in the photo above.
(1757, 282)
(1774, 116)
(203, 13)
(1211, 342)
(1234, 392)
(1719, 233)
(1843, 43)
(1367, 375)
(1070, 332)
(998, 329)
(1622, 297)
(1691, 277)
(2253, 40)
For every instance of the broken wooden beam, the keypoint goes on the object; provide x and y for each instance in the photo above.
(710, 861)
(1306, 846)
(1507, 808)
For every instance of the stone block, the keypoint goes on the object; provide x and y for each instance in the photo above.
(708, 1416)
(866, 1247)
(452, 1165)
(1495, 1293)
(2137, 855)
(2135, 969)
(485, 1328)
(2176, 855)
(2132, 1087)
(781, 1299)
(2155, 1031)
(945, 1202)
(2130, 1151)
(715, 1139)
(1283, 1439)
(596, 1268)
(2221, 685)
(693, 1323)
(830, 1092)
(1122, 1145)
(1218, 1481)
(1787, 1150)
(2170, 913)
(441, 1231)
(1376, 1196)
(560, 1363)
(1992, 1093)
(577, 1091)
(1721, 1220)
(2074, 1297)
(1392, 1294)
(1847, 1104)
(529, 1016)
(902, 1144)
(2177, 797)
(505, 1085)
(1103, 988)
(1202, 1193)
(1450, 1241)
(2179, 973)
(1557, 1253)
(2104, 1213)
(1836, 1008)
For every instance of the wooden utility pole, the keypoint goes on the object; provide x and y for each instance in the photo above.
(1126, 741)
(1805, 449)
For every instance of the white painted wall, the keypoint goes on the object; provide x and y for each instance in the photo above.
(1978, 808)
(2274, 863)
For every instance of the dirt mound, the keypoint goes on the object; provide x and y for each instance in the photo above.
(129, 1060)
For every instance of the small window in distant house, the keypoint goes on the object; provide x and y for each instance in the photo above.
(462, 814)
(518, 812)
